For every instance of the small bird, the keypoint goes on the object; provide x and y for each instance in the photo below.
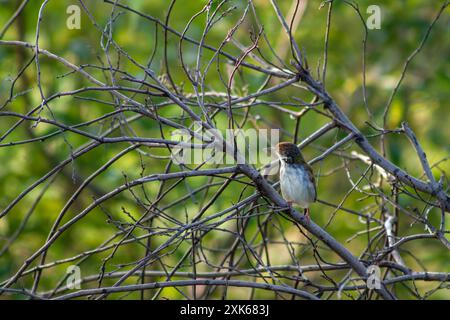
(297, 181)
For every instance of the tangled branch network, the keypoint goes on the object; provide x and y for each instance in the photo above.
(128, 219)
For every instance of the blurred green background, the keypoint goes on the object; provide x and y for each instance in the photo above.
(422, 101)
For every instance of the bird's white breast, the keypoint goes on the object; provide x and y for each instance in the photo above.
(296, 185)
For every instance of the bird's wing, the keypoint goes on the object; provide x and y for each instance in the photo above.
(312, 179)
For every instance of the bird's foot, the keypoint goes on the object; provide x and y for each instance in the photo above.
(307, 215)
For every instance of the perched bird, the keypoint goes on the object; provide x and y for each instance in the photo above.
(297, 181)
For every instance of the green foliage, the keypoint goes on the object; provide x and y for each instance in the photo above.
(422, 101)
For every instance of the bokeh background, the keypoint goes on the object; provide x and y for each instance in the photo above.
(422, 101)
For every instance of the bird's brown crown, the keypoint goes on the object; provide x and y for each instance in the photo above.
(289, 152)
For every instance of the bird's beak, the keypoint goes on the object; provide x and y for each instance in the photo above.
(273, 151)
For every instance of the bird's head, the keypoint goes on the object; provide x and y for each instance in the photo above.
(289, 152)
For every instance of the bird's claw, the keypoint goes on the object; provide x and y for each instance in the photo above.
(307, 215)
